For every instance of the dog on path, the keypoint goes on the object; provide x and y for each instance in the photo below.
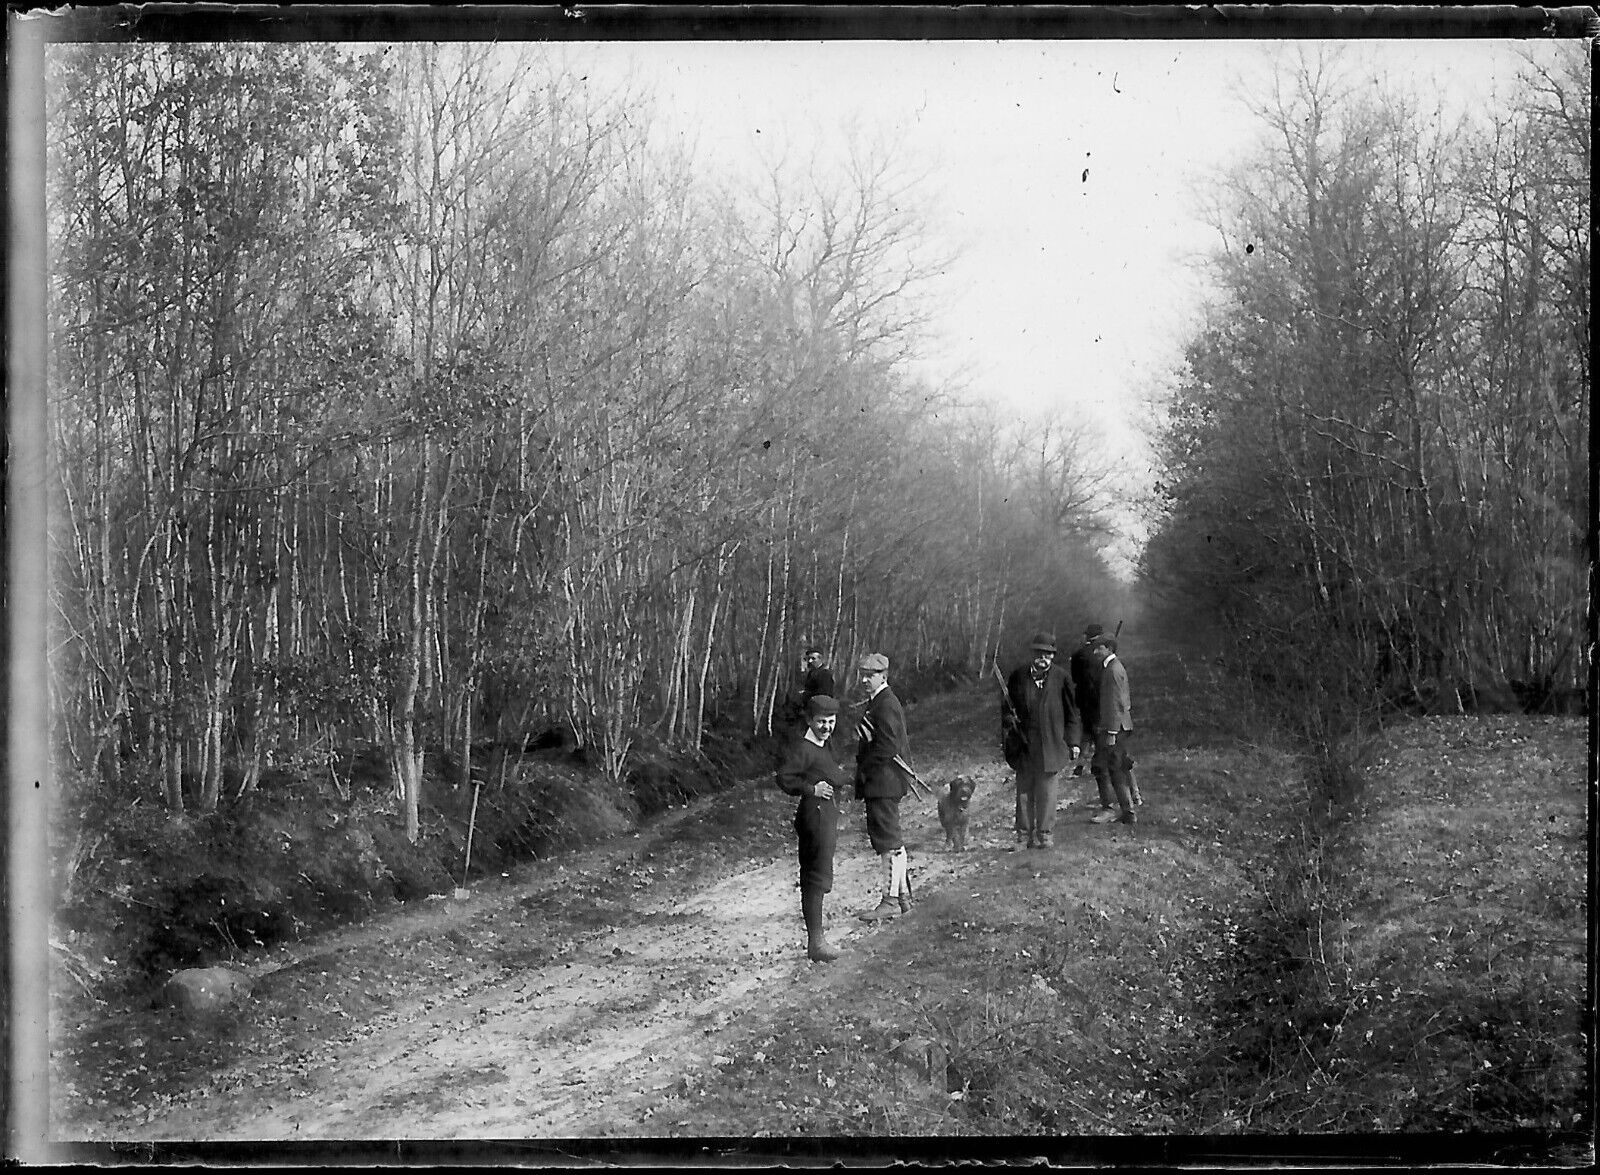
(953, 803)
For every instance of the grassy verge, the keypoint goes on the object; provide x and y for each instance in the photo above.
(1458, 954)
(1419, 966)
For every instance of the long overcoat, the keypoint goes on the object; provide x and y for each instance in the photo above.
(1041, 723)
(1084, 669)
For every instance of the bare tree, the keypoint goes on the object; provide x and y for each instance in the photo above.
(1334, 436)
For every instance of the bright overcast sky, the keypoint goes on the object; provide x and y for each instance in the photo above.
(1069, 292)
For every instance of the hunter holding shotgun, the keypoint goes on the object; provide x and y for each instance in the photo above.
(881, 781)
(1041, 732)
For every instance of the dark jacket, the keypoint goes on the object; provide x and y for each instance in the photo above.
(804, 763)
(1041, 724)
(817, 681)
(1084, 669)
(881, 731)
(816, 822)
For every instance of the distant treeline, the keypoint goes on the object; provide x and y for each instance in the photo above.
(1377, 465)
(417, 396)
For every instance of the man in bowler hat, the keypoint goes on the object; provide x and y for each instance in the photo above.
(1041, 732)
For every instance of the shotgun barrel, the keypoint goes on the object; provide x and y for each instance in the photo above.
(1005, 693)
(918, 787)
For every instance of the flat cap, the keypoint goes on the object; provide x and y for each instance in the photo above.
(875, 663)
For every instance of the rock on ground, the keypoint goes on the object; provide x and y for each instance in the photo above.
(201, 990)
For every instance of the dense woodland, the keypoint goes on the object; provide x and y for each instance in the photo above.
(418, 398)
(1377, 461)
(425, 398)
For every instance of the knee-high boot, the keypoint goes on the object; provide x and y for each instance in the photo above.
(1125, 799)
(818, 949)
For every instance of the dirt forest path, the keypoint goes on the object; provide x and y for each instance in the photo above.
(574, 1028)
(577, 996)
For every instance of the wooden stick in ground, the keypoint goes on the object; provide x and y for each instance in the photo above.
(472, 821)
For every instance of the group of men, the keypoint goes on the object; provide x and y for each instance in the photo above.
(1045, 718)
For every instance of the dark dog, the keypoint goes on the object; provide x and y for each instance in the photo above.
(953, 802)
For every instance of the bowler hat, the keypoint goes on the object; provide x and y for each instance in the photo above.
(1093, 630)
(875, 663)
(1043, 642)
(821, 704)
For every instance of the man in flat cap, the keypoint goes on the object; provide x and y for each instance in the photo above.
(1041, 733)
(881, 739)
(810, 772)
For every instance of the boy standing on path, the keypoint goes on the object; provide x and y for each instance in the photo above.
(1042, 733)
(810, 771)
(881, 739)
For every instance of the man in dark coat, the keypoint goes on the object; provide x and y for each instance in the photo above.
(810, 772)
(880, 782)
(818, 677)
(1084, 671)
(1041, 732)
(815, 678)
